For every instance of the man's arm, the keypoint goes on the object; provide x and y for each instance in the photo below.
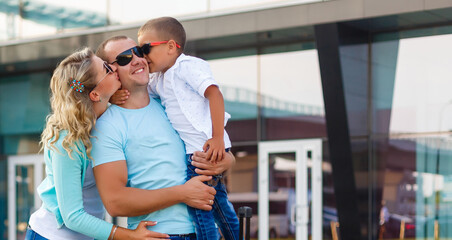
(120, 200)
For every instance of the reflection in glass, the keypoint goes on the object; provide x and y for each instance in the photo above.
(416, 160)
(398, 211)
(291, 97)
(24, 198)
(133, 11)
(282, 170)
(241, 182)
(239, 90)
(239, 93)
(384, 59)
(243, 176)
(3, 198)
(47, 17)
(422, 100)
(434, 188)
(354, 65)
(30, 107)
(34, 18)
(418, 189)
(216, 5)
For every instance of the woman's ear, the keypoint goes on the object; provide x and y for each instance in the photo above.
(94, 96)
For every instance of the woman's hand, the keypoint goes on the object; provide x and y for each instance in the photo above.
(141, 232)
(205, 167)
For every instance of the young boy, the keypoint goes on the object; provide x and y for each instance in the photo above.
(195, 108)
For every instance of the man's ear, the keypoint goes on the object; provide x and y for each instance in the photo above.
(94, 96)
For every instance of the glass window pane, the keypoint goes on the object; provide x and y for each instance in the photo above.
(122, 11)
(411, 82)
(25, 100)
(417, 189)
(3, 198)
(282, 197)
(240, 94)
(24, 198)
(291, 95)
(231, 4)
(46, 17)
(242, 183)
(422, 101)
(354, 66)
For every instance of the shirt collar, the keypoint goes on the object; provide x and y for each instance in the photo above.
(179, 59)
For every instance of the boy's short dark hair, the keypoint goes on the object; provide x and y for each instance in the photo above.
(167, 28)
(100, 52)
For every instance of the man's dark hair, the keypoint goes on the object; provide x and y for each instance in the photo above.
(101, 49)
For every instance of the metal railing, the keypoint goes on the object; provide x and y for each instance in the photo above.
(269, 103)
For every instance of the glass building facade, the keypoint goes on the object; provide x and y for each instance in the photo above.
(339, 127)
(35, 18)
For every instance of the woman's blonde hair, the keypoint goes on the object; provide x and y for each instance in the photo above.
(71, 110)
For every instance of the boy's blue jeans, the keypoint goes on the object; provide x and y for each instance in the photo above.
(222, 212)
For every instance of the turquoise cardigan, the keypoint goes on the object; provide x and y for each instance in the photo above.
(61, 190)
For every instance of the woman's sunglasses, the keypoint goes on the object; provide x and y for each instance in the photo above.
(146, 48)
(108, 70)
(125, 57)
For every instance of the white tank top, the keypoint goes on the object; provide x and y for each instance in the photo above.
(45, 224)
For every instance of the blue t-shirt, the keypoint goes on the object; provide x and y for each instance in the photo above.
(155, 157)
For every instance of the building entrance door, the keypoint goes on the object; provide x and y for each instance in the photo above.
(25, 173)
(290, 189)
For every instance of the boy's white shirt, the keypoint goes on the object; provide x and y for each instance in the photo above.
(181, 89)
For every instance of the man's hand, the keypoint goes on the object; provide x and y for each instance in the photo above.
(198, 194)
(214, 148)
(206, 167)
(119, 97)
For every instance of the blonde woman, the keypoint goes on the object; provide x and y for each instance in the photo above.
(72, 209)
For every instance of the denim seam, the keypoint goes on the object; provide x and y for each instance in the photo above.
(220, 212)
(202, 224)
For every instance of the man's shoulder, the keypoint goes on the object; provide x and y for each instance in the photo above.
(110, 119)
(111, 112)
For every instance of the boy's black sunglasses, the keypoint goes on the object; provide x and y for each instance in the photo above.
(125, 57)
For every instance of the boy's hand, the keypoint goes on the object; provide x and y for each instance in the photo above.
(120, 97)
(214, 148)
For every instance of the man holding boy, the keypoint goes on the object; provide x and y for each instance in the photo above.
(194, 105)
(140, 159)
